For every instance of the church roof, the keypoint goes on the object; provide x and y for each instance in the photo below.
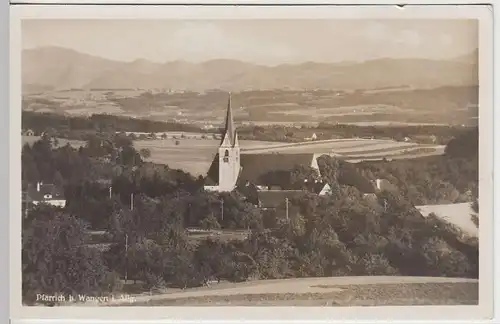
(229, 138)
(254, 166)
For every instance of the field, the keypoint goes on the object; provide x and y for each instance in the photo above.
(191, 155)
(196, 155)
(328, 291)
(456, 214)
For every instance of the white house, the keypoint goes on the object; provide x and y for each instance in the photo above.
(44, 194)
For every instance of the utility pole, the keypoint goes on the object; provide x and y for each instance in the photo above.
(222, 209)
(26, 206)
(286, 208)
(126, 240)
(110, 192)
(126, 258)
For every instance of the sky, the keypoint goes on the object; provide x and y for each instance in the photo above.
(266, 42)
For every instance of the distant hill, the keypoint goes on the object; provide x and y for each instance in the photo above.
(471, 58)
(61, 68)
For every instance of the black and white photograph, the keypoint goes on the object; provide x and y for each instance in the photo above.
(251, 162)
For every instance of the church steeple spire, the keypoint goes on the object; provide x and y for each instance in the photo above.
(229, 154)
(230, 136)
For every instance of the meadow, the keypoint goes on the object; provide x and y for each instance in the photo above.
(195, 156)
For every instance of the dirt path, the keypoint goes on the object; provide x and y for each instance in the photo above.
(298, 289)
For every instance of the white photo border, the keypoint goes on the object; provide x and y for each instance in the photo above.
(289, 314)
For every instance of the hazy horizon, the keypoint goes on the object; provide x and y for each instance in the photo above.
(263, 42)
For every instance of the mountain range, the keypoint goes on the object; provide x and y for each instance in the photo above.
(56, 68)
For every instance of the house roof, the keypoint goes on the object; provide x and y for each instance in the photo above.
(254, 166)
(47, 192)
(274, 198)
(386, 185)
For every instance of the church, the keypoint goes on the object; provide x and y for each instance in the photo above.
(231, 168)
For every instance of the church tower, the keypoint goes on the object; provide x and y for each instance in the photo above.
(229, 154)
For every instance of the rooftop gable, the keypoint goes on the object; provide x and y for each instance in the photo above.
(47, 192)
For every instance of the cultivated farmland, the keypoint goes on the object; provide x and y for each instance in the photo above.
(191, 155)
(196, 155)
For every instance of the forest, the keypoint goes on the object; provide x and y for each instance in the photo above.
(341, 234)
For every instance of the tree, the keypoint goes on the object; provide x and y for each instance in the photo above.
(145, 153)
(442, 259)
(464, 145)
(475, 206)
(302, 177)
(58, 179)
(56, 259)
(210, 222)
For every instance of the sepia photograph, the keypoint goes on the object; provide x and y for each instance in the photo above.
(250, 162)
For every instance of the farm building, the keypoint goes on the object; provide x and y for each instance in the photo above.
(230, 168)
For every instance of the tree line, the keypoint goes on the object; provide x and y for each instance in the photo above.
(70, 126)
(424, 134)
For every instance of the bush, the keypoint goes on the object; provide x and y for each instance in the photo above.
(153, 282)
(475, 206)
(376, 265)
(113, 282)
(443, 260)
(209, 223)
(475, 220)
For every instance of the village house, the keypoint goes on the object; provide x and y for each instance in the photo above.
(44, 194)
(29, 132)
